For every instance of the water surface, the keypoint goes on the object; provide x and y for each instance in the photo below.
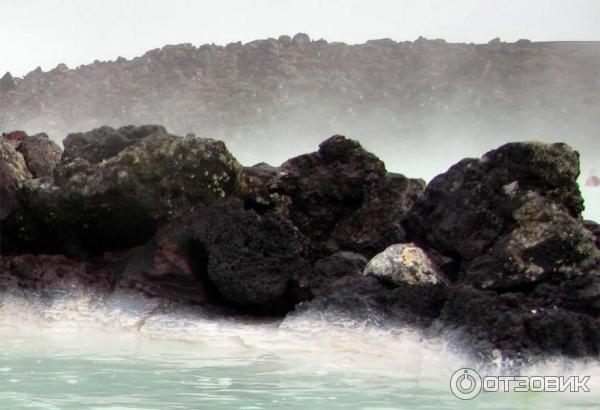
(85, 351)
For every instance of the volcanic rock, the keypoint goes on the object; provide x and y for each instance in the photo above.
(525, 327)
(120, 201)
(42, 273)
(404, 263)
(546, 244)
(301, 40)
(493, 253)
(105, 142)
(13, 172)
(41, 154)
(368, 300)
(342, 198)
(249, 261)
(162, 267)
(378, 222)
(255, 187)
(465, 210)
(14, 136)
(329, 269)
(594, 228)
(525, 280)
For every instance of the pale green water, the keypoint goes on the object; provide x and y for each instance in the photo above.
(120, 353)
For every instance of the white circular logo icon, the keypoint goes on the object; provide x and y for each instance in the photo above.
(465, 384)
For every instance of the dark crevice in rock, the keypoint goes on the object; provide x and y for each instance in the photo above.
(198, 257)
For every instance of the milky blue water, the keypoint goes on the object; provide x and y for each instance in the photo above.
(126, 352)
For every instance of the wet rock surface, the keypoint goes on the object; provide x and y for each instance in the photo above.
(512, 221)
(329, 269)
(493, 252)
(44, 272)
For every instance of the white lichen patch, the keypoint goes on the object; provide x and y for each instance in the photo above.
(404, 263)
(511, 189)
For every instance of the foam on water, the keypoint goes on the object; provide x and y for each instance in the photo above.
(84, 350)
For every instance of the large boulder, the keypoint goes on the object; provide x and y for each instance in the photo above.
(22, 158)
(342, 198)
(405, 263)
(514, 213)
(105, 142)
(41, 154)
(13, 173)
(250, 261)
(328, 185)
(301, 40)
(546, 244)
(101, 202)
(465, 209)
(527, 280)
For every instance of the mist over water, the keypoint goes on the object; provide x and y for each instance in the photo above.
(419, 106)
(77, 349)
(415, 153)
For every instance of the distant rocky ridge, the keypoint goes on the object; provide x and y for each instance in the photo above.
(266, 93)
(493, 253)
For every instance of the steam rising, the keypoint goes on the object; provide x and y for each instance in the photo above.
(420, 106)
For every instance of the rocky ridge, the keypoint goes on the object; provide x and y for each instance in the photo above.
(493, 252)
(253, 92)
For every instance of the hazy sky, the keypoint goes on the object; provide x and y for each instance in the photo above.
(46, 32)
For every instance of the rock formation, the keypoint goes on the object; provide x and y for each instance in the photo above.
(493, 252)
(251, 93)
(510, 218)
(404, 263)
(13, 172)
(343, 198)
(113, 188)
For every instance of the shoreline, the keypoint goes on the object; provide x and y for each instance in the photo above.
(493, 251)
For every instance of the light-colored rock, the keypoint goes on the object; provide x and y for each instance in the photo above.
(13, 172)
(41, 154)
(404, 263)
